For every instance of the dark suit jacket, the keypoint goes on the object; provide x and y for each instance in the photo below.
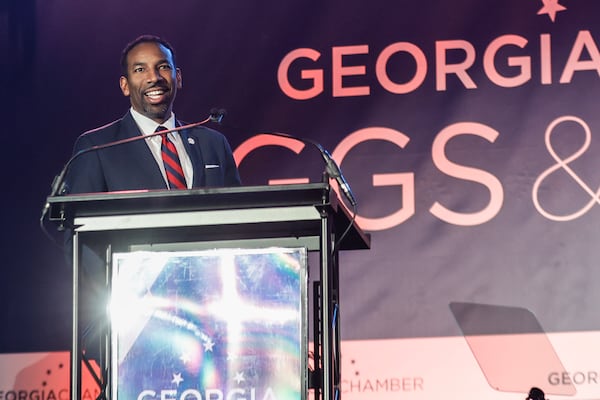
(131, 166)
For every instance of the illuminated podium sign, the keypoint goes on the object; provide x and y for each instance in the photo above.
(210, 324)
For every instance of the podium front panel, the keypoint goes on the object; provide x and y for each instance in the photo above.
(209, 324)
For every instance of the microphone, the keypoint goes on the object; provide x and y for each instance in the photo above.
(217, 115)
(58, 183)
(331, 167)
(334, 171)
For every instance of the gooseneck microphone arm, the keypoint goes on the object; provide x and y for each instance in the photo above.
(333, 171)
(58, 182)
(331, 167)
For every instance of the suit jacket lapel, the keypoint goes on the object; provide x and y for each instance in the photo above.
(139, 153)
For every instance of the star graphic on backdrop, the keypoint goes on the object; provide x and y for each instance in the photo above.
(239, 377)
(551, 7)
(177, 379)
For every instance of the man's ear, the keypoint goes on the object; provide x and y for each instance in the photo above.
(124, 86)
(178, 78)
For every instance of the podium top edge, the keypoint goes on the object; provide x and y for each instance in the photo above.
(186, 193)
(214, 198)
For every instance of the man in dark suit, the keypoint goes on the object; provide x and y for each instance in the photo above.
(150, 78)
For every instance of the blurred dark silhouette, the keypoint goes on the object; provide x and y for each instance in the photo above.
(535, 394)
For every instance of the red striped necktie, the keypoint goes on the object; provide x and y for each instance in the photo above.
(175, 176)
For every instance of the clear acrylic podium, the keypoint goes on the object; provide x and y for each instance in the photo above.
(291, 218)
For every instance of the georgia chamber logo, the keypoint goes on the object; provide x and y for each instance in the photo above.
(355, 381)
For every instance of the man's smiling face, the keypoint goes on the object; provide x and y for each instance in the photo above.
(152, 80)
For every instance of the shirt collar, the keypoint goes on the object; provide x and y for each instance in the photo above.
(148, 126)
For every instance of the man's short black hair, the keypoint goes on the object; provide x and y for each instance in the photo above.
(144, 39)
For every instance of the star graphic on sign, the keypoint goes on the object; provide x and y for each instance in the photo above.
(551, 7)
(239, 377)
(177, 379)
(185, 358)
(208, 345)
